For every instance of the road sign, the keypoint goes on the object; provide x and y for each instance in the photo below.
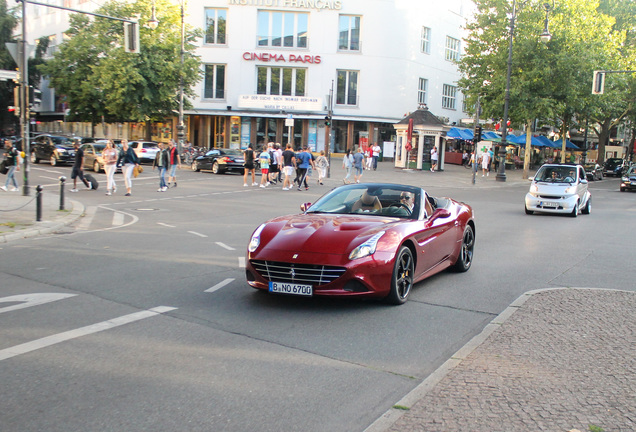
(9, 75)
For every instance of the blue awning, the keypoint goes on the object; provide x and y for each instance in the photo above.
(488, 135)
(568, 145)
(463, 134)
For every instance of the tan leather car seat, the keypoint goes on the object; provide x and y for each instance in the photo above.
(368, 203)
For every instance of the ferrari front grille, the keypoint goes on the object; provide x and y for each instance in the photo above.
(309, 274)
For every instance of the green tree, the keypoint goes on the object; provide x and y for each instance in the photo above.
(102, 82)
(8, 22)
(551, 82)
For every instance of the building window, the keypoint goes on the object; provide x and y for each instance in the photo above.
(349, 33)
(281, 81)
(282, 29)
(215, 26)
(347, 92)
(421, 91)
(426, 40)
(214, 87)
(449, 97)
(452, 49)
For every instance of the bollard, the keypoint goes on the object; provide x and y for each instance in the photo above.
(62, 180)
(38, 203)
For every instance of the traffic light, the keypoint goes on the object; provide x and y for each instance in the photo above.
(598, 82)
(477, 134)
(35, 97)
(131, 37)
(327, 121)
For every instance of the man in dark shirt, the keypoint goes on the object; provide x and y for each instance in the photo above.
(289, 160)
(78, 168)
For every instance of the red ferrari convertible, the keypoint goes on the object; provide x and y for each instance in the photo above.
(362, 240)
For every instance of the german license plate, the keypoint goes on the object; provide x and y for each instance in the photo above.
(550, 204)
(290, 288)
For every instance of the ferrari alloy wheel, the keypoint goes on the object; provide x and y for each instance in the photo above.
(195, 166)
(34, 158)
(465, 258)
(215, 168)
(402, 279)
(53, 160)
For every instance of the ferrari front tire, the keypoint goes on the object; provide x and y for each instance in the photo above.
(402, 278)
(465, 258)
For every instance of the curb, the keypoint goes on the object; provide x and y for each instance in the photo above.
(46, 227)
(387, 420)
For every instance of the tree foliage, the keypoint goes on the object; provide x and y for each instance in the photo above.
(8, 23)
(549, 81)
(102, 81)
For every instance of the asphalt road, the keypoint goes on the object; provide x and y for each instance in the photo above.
(160, 332)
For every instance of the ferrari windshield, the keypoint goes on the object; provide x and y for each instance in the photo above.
(369, 199)
(556, 174)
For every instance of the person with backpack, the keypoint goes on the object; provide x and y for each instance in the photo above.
(273, 164)
(161, 163)
(11, 161)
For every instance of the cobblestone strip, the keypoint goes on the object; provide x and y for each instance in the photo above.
(555, 360)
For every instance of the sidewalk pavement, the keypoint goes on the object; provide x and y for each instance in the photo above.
(555, 360)
(18, 217)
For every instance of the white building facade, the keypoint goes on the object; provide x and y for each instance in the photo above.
(274, 69)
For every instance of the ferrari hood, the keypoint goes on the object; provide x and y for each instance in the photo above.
(320, 233)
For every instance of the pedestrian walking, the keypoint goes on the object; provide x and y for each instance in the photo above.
(11, 162)
(174, 159)
(303, 162)
(161, 162)
(289, 164)
(273, 163)
(128, 160)
(278, 152)
(485, 163)
(78, 168)
(376, 155)
(248, 165)
(369, 158)
(110, 156)
(434, 157)
(322, 163)
(264, 159)
(347, 164)
(358, 163)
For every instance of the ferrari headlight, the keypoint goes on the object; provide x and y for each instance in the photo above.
(367, 248)
(256, 239)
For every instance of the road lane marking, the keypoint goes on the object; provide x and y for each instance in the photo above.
(224, 246)
(166, 225)
(83, 331)
(219, 285)
(89, 214)
(198, 234)
(28, 300)
(241, 261)
(118, 219)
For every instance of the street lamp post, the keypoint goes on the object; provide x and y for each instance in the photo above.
(545, 37)
(181, 126)
(501, 172)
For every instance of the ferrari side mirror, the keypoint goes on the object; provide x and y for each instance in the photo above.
(440, 213)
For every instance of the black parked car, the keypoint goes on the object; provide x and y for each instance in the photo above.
(613, 167)
(219, 161)
(57, 150)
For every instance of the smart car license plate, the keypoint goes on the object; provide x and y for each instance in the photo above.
(290, 288)
(550, 204)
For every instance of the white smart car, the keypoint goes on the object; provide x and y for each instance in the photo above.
(559, 188)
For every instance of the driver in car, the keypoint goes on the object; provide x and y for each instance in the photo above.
(407, 199)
